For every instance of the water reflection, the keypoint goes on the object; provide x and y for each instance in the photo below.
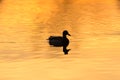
(118, 4)
(65, 50)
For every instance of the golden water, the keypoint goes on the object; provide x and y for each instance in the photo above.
(26, 55)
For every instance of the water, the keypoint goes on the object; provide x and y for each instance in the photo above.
(26, 55)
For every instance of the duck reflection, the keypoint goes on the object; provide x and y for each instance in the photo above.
(58, 41)
(65, 50)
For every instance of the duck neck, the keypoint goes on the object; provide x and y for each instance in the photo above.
(64, 36)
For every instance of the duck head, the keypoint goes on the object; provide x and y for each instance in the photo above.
(65, 32)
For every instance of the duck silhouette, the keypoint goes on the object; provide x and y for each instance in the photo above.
(59, 40)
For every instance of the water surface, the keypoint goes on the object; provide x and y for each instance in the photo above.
(26, 55)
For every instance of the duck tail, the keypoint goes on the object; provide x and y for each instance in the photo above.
(50, 38)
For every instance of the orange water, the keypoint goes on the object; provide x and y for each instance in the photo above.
(26, 55)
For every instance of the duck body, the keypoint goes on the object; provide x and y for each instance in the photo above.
(59, 40)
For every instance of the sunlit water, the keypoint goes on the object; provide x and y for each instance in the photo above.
(26, 55)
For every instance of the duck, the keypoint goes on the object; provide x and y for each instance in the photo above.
(60, 40)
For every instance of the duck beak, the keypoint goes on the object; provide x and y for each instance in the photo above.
(69, 34)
